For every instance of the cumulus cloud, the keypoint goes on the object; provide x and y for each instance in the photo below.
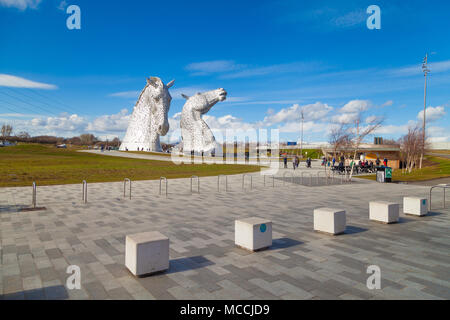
(20, 4)
(355, 106)
(7, 80)
(432, 113)
(110, 123)
(61, 124)
(315, 111)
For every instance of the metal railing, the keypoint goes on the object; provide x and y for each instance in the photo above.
(84, 192)
(325, 176)
(284, 177)
(160, 185)
(33, 201)
(218, 182)
(310, 177)
(125, 185)
(273, 180)
(198, 184)
(443, 186)
(243, 181)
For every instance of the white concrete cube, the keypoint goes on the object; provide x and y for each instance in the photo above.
(253, 233)
(383, 211)
(329, 220)
(415, 206)
(146, 252)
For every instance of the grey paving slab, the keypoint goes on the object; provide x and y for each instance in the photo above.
(36, 247)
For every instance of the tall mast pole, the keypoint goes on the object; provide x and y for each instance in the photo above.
(301, 139)
(425, 72)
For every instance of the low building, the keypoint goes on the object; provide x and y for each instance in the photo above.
(367, 151)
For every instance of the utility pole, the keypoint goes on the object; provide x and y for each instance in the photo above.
(301, 137)
(425, 72)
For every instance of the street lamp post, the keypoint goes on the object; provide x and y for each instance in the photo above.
(301, 137)
(425, 72)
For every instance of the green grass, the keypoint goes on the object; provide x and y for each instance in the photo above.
(436, 167)
(22, 164)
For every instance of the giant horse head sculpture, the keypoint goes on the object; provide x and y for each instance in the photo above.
(196, 134)
(149, 119)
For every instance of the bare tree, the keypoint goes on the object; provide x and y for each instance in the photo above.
(23, 135)
(339, 138)
(6, 130)
(411, 146)
(87, 139)
(360, 133)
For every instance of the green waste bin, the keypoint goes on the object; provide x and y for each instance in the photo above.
(388, 174)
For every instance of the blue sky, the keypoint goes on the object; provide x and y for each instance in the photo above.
(273, 57)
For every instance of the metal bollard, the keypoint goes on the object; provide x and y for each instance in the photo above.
(34, 195)
(243, 181)
(124, 187)
(198, 184)
(160, 182)
(84, 192)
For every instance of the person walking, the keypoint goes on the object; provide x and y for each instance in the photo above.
(285, 161)
(294, 162)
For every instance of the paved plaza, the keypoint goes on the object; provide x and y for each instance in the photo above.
(38, 246)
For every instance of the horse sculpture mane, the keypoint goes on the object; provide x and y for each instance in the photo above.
(196, 134)
(149, 119)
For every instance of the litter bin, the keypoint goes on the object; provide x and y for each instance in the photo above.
(388, 174)
(381, 174)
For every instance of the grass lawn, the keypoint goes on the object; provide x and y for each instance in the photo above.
(22, 164)
(436, 167)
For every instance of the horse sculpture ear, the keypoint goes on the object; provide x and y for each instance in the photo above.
(170, 83)
(152, 81)
(184, 96)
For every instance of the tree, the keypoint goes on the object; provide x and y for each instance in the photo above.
(23, 135)
(360, 133)
(6, 130)
(339, 138)
(87, 139)
(411, 146)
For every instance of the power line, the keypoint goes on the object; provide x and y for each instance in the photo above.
(33, 105)
(38, 101)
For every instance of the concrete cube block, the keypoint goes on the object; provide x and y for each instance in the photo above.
(415, 206)
(146, 252)
(329, 220)
(253, 233)
(383, 211)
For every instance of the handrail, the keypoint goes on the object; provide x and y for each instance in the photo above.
(160, 182)
(310, 177)
(218, 182)
(124, 187)
(284, 177)
(198, 184)
(443, 186)
(34, 195)
(84, 192)
(325, 176)
(243, 181)
(273, 179)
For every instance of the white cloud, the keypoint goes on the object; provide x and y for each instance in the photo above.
(110, 123)
(435, 67)
(387, 104)
(350, 19)
(344, 118)
(20, 4)
(61, 124)
(270, 70)
(432, 114)
(208, 67)
(356, 106)
(313, 111)
(7, 80)
(62, 5)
